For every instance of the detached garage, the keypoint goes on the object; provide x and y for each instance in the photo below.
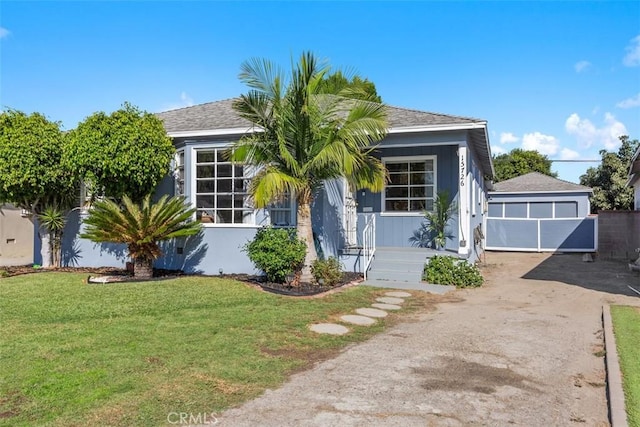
(538, 213)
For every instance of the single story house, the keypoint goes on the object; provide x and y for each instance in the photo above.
(424, 154)
(539, 213)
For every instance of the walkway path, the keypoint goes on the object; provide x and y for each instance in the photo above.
(516, 352)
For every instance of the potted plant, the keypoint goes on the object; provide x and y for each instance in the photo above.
(438, 219)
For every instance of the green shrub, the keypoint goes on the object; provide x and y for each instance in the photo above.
(327, 272)
(277, 252)
(446, 270)
(4, 273)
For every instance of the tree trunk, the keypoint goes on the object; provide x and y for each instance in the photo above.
(305, 232)
(45, 248)
(143, 268)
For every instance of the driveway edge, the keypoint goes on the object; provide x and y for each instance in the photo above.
(617, 412)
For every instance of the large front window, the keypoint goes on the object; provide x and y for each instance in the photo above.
(412, 184)
(221, 189)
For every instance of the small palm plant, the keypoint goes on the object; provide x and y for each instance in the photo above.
(433, 231)
(53, 220)
(140, 227)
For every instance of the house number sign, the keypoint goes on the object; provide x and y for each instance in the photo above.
(463, 167)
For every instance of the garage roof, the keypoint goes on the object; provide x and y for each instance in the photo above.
(535, 182)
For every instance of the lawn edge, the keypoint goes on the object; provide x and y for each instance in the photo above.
(615, 393)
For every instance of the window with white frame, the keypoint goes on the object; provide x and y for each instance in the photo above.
(412, 184)
(281, 212)
(179, 173)
(221, 189)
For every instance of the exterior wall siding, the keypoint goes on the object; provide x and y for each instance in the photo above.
(16, 237)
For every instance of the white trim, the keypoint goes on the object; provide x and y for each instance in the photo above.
(228, 225)
(558, 250)
(435, 128)
(382, 146)
(464, 219)
(531, 193)
(400, 159)
(210, 132)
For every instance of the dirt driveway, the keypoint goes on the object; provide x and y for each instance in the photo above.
(526, 350)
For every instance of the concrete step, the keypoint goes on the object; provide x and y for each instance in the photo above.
(393, 275)
(416, 285)
(397, 265)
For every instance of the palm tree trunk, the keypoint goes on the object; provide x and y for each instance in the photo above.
(305, 232)
(143, 268)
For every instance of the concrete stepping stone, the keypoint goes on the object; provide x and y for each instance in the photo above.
(357, 320)
(397, 294)
(390, 300)
(329, 328)
(383, 306)
(371, 312)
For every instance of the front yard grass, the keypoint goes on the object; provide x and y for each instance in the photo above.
(132, 353)
(626, 327)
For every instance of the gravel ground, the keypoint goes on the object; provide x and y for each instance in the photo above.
(526, 349)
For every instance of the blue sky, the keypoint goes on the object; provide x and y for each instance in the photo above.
(559, 77)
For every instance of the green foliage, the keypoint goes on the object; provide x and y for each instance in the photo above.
(125, 153)
(356, 87)
(140, 226)
(277, 252)
(446, 270)
(626, 325)
(520, 162)
(433, 231)
(4, 273)
(609, 179)
(311, 133)
(31, 170)
(327, 272)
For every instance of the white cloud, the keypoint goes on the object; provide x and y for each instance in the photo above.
(185, 101)
(581, 66)
(508, 138)
(632, 58)
(4, 32)
(569, 154)
(544, 144)
(496, 149)
(589, 134)
(634, 101)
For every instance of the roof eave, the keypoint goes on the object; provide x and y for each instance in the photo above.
(542, 192)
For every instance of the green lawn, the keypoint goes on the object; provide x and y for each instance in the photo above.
(626, 327)
(130, 354)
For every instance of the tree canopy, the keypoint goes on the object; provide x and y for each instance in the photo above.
(126, 152)
(356, 87)
(609, 179)
(31, 172)
(520, 162)
(308, 136)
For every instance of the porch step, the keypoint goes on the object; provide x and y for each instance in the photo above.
(420, 286)
(397, 264)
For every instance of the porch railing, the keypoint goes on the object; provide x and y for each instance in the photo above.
(368, 243)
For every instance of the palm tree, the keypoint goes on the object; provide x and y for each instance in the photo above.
(305, 136)
(140, 227)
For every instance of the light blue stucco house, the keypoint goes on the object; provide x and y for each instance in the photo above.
(423, 152)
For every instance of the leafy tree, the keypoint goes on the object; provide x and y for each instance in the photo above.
(307, 136)
(520, 162)
(355, 88)
(125, 153)
(609, 179)
(140, 227)
(32, 176)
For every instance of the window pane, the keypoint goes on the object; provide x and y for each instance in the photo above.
(417, 178)
(495, 210)
(397, 167)
(396, 205)
(205, 171)
(224, 170)
(205, 186)
(224, 201)
(396, 192)
(515, 210)
(224, 216)
(541, 210)
(429, 164)
(429, 205)
(429, 191)
(417, 167)
(239, 185)
(205, 156)
(418, 205)
(224, 186)
(398, 179)
(204, 201)
(418, 192)
(238, 171)
(566, 209)
(429, 177)
(238, 201)
(222, 156)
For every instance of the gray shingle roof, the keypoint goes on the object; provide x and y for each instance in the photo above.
(535, 182)
(220, 115)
